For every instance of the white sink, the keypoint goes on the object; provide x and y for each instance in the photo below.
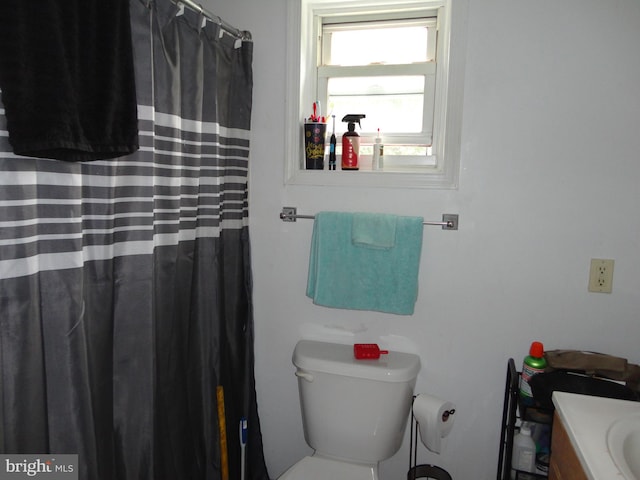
(623, 441)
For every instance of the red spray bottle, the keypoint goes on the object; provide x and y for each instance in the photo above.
(351, 142)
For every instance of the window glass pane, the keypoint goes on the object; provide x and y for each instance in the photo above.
(383, 45)
(393, 104)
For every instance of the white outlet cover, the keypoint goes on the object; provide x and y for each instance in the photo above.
(601, 275)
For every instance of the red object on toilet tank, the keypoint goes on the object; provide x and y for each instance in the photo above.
(368, 351)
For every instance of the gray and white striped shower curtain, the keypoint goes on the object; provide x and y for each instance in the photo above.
(125, 285)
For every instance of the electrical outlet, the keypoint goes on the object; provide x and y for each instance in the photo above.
(601, 275)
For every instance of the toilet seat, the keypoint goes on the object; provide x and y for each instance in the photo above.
(318, 468)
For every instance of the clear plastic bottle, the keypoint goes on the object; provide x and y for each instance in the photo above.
(533, 364)
(378, 153)
(524, 450)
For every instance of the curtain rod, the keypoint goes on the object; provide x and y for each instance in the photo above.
(449, 220)
(241, 34)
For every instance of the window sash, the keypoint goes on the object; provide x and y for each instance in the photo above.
(331, 24)
(426, 69)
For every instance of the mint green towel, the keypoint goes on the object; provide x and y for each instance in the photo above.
(374, 230)
(348, 268)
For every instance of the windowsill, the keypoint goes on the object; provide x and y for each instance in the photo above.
(364, 178)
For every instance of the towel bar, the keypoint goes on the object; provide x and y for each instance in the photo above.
(449, 220)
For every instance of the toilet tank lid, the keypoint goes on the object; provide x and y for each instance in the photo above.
(338, 359)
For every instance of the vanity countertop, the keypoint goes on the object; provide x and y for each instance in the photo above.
(587, 420)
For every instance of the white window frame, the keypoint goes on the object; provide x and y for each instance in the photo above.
(425, 69)
(302, 63)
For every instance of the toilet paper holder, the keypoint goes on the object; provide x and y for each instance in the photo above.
(446, 414)
(414, 469)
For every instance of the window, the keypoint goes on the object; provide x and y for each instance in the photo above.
(391, 61)
(386, 70)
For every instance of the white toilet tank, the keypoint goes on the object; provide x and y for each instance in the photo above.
(354, 410)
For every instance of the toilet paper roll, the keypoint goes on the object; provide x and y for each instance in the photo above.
(435, 419)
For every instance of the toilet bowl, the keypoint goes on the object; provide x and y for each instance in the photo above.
(354, 412)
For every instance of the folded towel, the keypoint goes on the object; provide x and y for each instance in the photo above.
(345, 275)
(373, 230)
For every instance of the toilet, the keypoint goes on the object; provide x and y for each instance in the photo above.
(354, 412)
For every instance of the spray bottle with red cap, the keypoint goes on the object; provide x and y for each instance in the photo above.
(533, 364)
(351, 142)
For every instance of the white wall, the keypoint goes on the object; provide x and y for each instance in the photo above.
(549, 180)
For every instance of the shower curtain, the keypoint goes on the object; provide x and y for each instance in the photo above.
(125, 285)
